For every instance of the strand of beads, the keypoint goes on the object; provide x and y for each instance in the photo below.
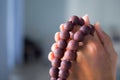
(60, 69)
(59, 52)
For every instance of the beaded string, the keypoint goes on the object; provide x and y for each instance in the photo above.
(67, 47)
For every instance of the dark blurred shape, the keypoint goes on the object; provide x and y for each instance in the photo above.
(31, 50)
(115, 34)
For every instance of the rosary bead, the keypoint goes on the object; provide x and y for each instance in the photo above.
(92, 29)
(62, 44)
(75, 20)
(82, 22)
(54, 72)
(79, 36)
(85, 29)
(65, 65)
(63, 74)
(70, 55)
(64, 35)
(59, 53)
(72, 45)
(68, 26)
(56, 62)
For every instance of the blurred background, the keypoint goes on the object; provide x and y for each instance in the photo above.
(27, 29)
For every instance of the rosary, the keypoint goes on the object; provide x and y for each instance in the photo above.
(68, 46)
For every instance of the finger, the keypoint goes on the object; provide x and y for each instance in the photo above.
(54, 47)
(57, 36)
(90, 46)
(97, 38)
(51, 56)
(106, 41)
(91, 41)
(62, 27)
(86, 19)
(104, 38)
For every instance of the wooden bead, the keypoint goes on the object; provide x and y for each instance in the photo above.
(65, 65)
(72, 45)
(92, 29)
(85, 29)
(68, 26)
(70, 55)
(75, 20)
(79, 36)
(63, 74)
(82, 22)
(56, 62)
(64, 35)
(59, 53)
(62, 44)
(54, 72)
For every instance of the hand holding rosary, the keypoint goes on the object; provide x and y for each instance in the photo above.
(67, 47)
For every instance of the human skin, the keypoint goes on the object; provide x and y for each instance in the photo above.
(96, 59)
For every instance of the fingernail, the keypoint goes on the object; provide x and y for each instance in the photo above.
(99, 29)
(86, 18)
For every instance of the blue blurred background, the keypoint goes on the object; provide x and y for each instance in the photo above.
(27, 30)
